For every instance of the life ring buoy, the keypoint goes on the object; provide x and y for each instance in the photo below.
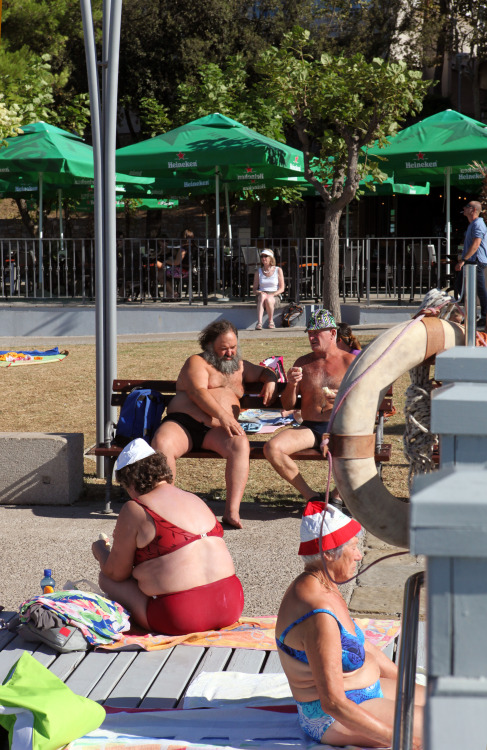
(352, 440)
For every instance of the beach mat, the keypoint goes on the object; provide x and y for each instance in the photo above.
(16, 357)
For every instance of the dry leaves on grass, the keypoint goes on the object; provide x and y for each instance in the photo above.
(60, 397)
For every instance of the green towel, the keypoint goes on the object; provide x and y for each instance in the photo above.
(40, 712)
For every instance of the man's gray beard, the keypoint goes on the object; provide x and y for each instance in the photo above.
(225, 366)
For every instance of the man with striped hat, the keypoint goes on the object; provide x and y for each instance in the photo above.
(315, 377)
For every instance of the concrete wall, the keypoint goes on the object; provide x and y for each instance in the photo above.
(38, 468)
(57, 320)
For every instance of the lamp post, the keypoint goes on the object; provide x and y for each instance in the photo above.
(103, 125)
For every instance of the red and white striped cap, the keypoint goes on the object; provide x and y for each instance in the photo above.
(337, 528)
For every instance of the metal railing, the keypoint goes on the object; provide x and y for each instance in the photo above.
(408, 653)
(398, 269)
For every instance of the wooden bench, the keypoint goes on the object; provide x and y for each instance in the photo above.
(250, 400)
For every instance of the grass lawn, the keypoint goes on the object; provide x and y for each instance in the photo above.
(60, 397)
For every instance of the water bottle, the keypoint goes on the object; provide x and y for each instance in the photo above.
(47, 583)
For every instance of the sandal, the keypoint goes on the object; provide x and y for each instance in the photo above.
(258, 327)
(272, 324)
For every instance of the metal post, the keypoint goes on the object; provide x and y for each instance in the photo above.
(90, 51)
(406, 679)
(367, 266)
(448, 220)
(109, 145)
(41, 235)
(217, 229)
(470, 280)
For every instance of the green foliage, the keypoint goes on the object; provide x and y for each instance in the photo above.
(26, 81)
(154, 116)
(10, 122)
(337, 105)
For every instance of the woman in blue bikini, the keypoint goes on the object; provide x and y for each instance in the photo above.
(344, 687)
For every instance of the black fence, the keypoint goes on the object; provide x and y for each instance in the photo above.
(200, 270)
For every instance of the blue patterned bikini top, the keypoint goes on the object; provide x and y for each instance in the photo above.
(353, 653)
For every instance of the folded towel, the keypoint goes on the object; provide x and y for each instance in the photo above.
(218, 689)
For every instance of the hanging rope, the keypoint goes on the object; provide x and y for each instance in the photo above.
(418, 441)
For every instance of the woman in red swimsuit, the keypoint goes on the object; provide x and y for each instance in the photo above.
(168, 564)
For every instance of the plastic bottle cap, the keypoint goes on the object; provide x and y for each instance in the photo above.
(47, 572)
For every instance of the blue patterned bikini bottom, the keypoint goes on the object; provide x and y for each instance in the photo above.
(315, 722)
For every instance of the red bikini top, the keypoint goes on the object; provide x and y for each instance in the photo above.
(169, 537)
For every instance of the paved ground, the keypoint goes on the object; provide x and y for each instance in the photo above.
(265, 555)
(265, 551)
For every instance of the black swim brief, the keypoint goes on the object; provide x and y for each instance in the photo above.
(317, 428)
(197, 430)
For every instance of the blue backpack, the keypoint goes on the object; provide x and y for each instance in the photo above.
(140, 416)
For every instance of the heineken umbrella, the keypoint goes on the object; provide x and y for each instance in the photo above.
(212, 145)
(54, 156)
(434, 149)
(205, 144)
(87, 203)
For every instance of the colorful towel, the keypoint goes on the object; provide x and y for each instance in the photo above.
(248, 632)
(100, 620)
(34, 357)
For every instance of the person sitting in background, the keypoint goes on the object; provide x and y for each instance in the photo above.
(268, 284)
(344, 687)
(346, 340)
(168, 564)
(177, 267)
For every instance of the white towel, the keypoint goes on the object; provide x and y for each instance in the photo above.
(220, 689)
(234, 728)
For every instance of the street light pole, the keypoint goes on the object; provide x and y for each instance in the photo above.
(103, 126)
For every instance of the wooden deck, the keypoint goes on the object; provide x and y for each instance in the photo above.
(137, 679)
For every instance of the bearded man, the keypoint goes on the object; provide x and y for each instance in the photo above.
(205, 409)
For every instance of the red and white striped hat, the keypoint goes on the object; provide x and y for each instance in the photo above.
(337, 528)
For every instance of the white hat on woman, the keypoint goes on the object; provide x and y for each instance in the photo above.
(338, 528)
(134, 451)
(266, 251)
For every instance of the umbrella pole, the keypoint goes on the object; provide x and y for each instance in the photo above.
(217, 217)
(448, 220)
(41, 233)
(61, 229)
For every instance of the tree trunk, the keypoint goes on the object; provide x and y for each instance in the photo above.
(331, 293)
(25, 216)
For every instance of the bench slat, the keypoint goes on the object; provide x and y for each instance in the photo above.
(256, 453)
(138, 678)
(173, 678)
(112, 676)
(246, 660)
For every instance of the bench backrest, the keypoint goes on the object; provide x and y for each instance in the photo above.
(250, 400)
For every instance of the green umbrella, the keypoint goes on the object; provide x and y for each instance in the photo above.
(212, 145)
(57, 158)
(434, 149)
(204, 144)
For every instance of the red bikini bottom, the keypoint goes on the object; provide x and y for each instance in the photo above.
(209, 607)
